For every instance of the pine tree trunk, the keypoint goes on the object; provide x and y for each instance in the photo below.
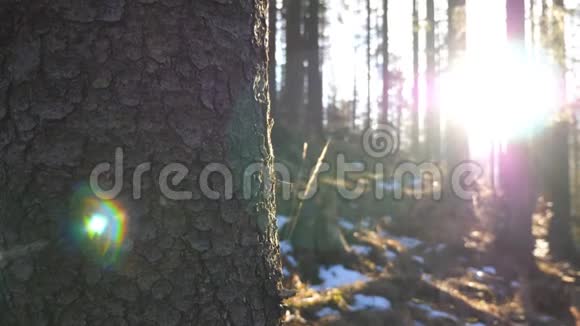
(415, 108)
(432, 122)
(168, 81)
(314, 73)
(456, 140)
(294, 86)
(386, 61)
(368, 37)
(516, 171)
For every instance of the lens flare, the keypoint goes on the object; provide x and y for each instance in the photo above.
(99, 226)
(96, 225)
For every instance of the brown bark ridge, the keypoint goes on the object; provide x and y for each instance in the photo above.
(168, 81)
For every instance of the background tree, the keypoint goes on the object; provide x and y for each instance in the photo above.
(432, 122)
(516, 172)
(315, 108)
(294, 85)
(173, 82)
(456, 142)
(385, 55)
(415, 103)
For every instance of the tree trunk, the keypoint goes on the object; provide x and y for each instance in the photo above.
(386, 61)
(432, 123)
(457, 146)
(415, 108)
(314, 73)
(294, 86)
(516, 174)
(272, 31)
(167, 81)
(558, 178)
(368, 121)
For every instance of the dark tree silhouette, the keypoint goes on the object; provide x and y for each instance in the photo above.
(314, 69)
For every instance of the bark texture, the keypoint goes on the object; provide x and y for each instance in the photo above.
(169, 81)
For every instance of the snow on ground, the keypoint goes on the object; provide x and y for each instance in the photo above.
(285, 247)
(281, 221)
(337, 276)
(409, 243)
(361, 250)
(391, 255)
(292, 261)
(419, 259)
(433, 313)
(365, 302)
(489, 270)
(327, 311)
(346, 224)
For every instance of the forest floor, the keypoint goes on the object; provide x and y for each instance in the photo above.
(390, 278)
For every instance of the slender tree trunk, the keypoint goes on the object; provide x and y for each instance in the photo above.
(293, 104)
(272, 65)
(432, 123)
(516, 171)
(368, 122)
(457, 146)
(314, 73)
(385, 51)
(415, 108)
(173, 82)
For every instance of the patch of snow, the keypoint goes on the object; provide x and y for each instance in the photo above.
(475, 324)
(365, 302)
(426, 277)
(489, 270)
(292, 261)
(285, 247)
(433, 313)
(409, 243)
(391, 255)
(361, 250)
(419, 259)
(440, 247)
(337, 276)
(285, 272)
(327, 311)
(281, 221)
(345, 224)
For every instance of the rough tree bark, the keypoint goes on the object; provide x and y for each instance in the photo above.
(168, 81)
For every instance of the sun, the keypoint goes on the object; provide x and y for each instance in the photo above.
(502, 96)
